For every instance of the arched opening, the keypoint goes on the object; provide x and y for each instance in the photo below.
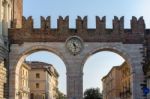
(110, 71)
(56, 84)
(50, 59)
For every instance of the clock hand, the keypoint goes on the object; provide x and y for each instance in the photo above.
(74, 44)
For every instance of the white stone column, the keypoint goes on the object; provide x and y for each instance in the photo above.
(74, 85)
(13, 76)
(137, 79)
(135, 59)
(9, 15)
(5, 27)
(74, 76)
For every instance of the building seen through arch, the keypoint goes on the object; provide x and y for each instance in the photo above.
(38, 80)
(43, 79)
(116, 84)
(24, 89)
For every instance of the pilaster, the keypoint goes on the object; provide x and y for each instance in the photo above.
(148, 83)
(137, 79)
(5, 20)
(74, 85)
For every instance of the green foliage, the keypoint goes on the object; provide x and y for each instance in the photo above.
(92, 93)
(60, 95)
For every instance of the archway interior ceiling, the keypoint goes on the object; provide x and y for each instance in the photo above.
(28, 33)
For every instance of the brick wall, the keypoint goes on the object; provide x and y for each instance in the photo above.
(17, 13)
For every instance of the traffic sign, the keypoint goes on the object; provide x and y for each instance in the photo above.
(146, 90)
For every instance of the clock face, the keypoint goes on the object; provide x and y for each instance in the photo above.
(74, 45)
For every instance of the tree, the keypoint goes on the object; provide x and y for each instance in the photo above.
(60, 95)
(92, 93)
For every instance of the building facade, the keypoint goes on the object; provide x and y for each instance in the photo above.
(43, 81)
(116, 84)
(125, 88)
(5, 20)
(24, 90)
(111, 84)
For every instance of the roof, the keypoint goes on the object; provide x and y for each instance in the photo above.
(114, 67)
(26, 66)
(42, 65)
(38, 64)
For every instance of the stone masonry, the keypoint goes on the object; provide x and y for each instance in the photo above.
(74, 64)
(22, 39)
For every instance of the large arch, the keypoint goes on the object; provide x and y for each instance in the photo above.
(74, 64)
(99, 65)
(29, 51)
(19, 59)
(111, 49)
(132, 56)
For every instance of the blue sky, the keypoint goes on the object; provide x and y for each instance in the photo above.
(91, 8)
(96, 66)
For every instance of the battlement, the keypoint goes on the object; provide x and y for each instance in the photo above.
(137, 25)
(100, 33)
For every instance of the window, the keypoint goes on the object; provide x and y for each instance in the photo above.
(43, 97)
(37, 75)
(5, 93)
(26, 74)
(22, 72)
(37, 85)
(32, 96)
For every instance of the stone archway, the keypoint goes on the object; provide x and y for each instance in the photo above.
(74, 64)
(18, 58)
(111, 49)
(133, 57)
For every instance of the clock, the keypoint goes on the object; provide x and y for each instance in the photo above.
(74, 45)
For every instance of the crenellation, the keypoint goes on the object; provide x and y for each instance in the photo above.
(45, 23)
(122, 24)
(141, 25)
(81, 24)
(27, 24)
(100, 25)
(100, 34)
(137, 25)
(134, 24)
(63, 24)
(42, 23)
(118, 25)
